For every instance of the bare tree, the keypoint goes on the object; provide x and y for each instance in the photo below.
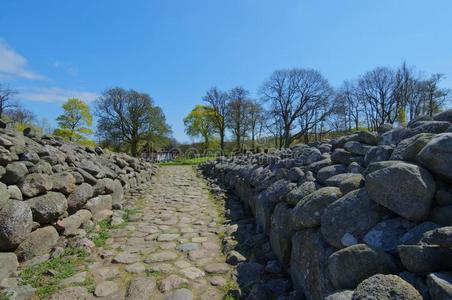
(237, 117)
(218, 101)
(299, 96)
(6, 95)
(255, 112)
(376, 91)
(19, 115)
(347, 105)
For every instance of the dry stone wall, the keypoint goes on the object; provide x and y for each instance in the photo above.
(50, 188)
(365, 216)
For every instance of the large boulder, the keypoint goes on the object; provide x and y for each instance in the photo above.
(441, 215)
(78, 198)
(38, 242)
(16, 222)
(347, 220)
(118, 192)
(440, 236)
(367, 138)
(63, 182)
(341, 156)
(444, 116)
(349, 266)
(308, 211)
(281, 233)
(309, 264)
(437, 156)
(409, 148)
(35, 184)
(356, 148)
(14, 172)
(378, 153)
(68, 226)
(405, 189)
(326, 172)
(424, 259)
(295, 195)
(48, 208)
(385, 287)
(98, 205)
(393, 137)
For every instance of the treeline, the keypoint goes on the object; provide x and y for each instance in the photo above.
(301, 105)
(127, 121)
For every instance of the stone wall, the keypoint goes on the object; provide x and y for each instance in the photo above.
(340, 212)
(49, 188)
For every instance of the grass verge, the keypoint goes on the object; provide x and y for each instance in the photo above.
(46, 276)
(187, 161)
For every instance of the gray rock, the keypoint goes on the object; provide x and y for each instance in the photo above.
(4, 193)
(106, 289)
(385, 287)
(329, 171)
(437, 156)
(367, 138)
(63, 182)
(16, 222)
(118, 193)
(295, 195)
(68, 226)
(308, 211)
(341, 156)
(20, 292)
(48, 208)
(235, 257)
(393, 137)
(180, 294)
(281, 232)
(336, 180)
(35, 184)
(351, 183)
(316, 166)
(356, 148)
(347, 220)
(8, 264)
(98, 205)
(79, 197)
(14, 193)
(440, 236)
(249, 272)
(444, 116)
(349, 266)
(104, 186)
(42, 167)
(378, 153)
(424, 259)
(72, 293)
(417, 282)
(37, 243)
(440, 285)
(415, 235)
(140, 288)
(386, 234)
(409, 148)
(14, 172)
(341, 295)
(295, 174)
(309, 264)
(355, 167)
(405, 189)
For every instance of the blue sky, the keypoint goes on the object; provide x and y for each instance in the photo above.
(176, 50)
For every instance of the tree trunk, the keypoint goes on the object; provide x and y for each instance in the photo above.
(133, 147)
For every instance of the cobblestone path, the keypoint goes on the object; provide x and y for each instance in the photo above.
(170, 247)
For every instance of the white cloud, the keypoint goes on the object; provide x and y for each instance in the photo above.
(12, 64)
(54, 95)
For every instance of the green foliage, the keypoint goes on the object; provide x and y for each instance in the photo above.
(75, 122)
(62, 267)
(200, 123)
(128, 120)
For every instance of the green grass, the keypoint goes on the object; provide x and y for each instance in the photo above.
(228, 287)
(187, 161)
(64, 267)
(4, 297)
(100, 236)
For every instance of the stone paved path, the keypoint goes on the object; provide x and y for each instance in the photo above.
(170, 249)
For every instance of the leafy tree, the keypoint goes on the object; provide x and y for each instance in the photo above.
(200, 122)
(76, 120)
(128, 119)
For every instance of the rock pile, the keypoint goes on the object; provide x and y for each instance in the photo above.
(50, 188)
(364, 216)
